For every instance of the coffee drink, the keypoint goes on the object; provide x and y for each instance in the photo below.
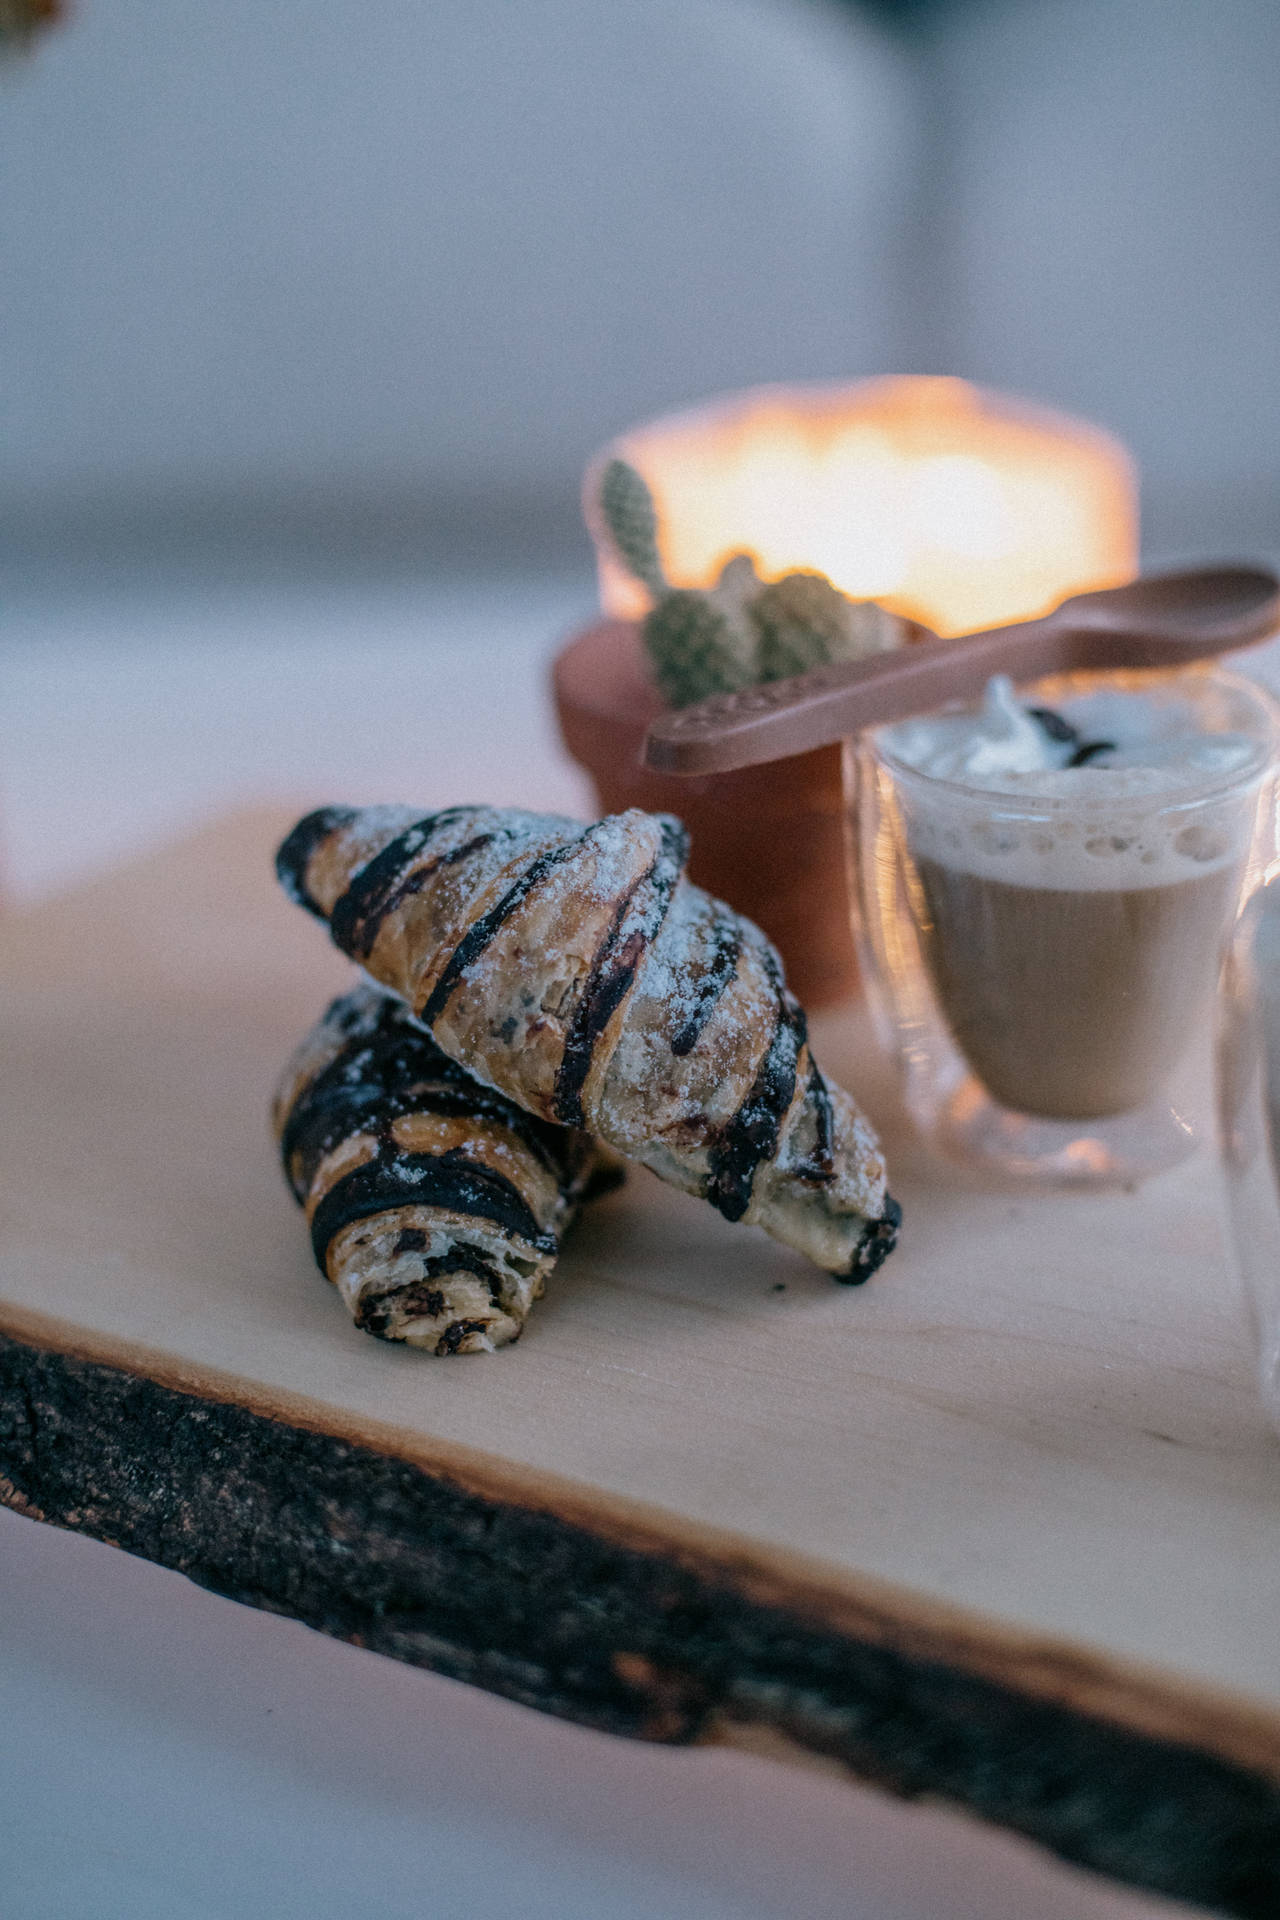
(1074, 1004)
(1075, 872)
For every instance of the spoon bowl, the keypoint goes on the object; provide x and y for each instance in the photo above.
(1195, 604)
(1161, 620)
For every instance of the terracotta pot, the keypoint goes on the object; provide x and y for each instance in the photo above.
(769, 840)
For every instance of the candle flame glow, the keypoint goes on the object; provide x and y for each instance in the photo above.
(957, 507)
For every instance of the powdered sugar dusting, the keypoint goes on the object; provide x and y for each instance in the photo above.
(560, 899)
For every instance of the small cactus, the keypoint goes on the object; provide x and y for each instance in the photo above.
(691, 644)
(800, 620)
(871, 628)
(733, 595)
(805, 622)
(626, 506)
(741, 631)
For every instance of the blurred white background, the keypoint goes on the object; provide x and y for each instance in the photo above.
(370, 283)
(403, 267)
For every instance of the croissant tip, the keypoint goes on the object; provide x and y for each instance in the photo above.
(293, 856)
(879, 1238)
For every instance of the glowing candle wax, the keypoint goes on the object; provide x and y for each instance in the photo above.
(958, 507)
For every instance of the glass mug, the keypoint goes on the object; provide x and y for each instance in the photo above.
(1044, 967)
(1249, 1117)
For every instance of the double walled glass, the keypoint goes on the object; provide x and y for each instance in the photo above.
(1045, 967)
(1249, 1113)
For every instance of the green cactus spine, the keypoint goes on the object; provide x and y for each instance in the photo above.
(805, 622)
(798, 618)
(690, 643)
(626, 506)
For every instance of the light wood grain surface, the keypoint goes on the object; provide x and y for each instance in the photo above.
(1032, 1439)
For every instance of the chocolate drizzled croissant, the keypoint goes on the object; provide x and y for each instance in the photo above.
(576, 969)
(435, 1204)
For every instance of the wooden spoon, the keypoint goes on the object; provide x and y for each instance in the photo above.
(1164, 620)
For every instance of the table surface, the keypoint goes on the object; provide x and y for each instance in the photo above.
(352, 1785)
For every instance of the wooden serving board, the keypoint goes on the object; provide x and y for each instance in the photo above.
(1002, 1526)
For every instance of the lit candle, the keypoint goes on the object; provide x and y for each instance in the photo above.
(958, 507)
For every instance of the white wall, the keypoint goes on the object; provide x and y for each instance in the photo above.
(430, 244)
(1109, 214)
(439, 249)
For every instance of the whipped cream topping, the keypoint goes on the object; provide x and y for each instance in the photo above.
(1108, 742)
(1091, 792)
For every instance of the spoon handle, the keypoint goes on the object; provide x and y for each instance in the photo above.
(1161, 620)
(783, 717)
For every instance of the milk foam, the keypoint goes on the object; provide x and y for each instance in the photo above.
(1014, 809)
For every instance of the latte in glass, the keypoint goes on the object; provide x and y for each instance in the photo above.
(1076, 858)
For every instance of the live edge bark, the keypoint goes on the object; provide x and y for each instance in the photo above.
(375, 1550)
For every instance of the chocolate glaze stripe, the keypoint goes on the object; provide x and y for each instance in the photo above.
(878, 1241)
(369, 890)
(397, 1069)
(751, 1136)
(819, 1167)
(428, 1181)
(314, 1134)
(363, 942)
(714, 982)
(478, 936)
(315, 1127)
(388, 1050)
(613, 970)
(384, 1059)
(294, 855)
(357, 1076)
(328, 1122)
(453, 1336)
